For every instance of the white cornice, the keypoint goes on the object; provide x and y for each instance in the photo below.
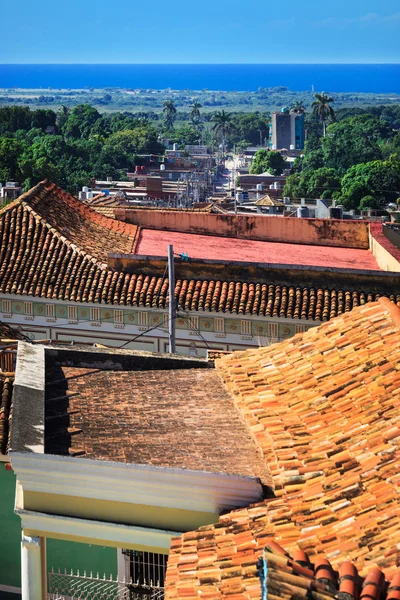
(124, 535)
(135, 484)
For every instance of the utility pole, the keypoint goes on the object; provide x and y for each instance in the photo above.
(171, 308)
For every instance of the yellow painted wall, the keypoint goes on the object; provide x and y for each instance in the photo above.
(385, 260)
(117, 512)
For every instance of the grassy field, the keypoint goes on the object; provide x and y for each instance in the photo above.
(112, 100)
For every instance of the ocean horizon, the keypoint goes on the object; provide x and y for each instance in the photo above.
(358, 78)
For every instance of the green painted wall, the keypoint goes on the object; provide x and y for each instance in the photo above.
(10, 531)
(71, 555)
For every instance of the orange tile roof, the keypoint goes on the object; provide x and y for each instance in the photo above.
(324, 408)
(234, 566)
(59, 211)
(54, 246)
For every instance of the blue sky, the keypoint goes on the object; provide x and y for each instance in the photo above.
(209, 31)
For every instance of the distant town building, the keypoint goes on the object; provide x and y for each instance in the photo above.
(286, 131)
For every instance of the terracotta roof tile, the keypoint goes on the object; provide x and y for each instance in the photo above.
(266, 571)
(54, 246)
(137, 417)
(324, 408)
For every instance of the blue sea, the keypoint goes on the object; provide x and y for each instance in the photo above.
(330, 78)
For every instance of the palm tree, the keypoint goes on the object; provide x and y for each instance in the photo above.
(222, 125)
(322, 109)
(195, 112)
(169, 111)
(298, 107)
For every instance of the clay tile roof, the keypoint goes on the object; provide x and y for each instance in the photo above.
(249, 569)
(324, 408)
(6, 390)
(10, 333)
(56, 247)
(268, 201)
(137, 417)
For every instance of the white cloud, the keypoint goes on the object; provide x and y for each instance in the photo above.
(368, 19)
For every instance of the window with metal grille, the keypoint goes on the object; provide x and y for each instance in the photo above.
(95, 314)
(146, 569)
(219, 325)
(50, 310)
(6, 306)
(73, 313)
(143, 319)
(118, 316)
(301, 328)
(245, 327)
(165, 321)
(193, 323)
(28, 308)
(272, 330)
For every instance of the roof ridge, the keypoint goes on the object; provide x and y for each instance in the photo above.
(62, 237)
(82, 208)
(393, 310)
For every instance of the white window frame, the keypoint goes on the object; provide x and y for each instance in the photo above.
(50, 311)
(245, 327)
(95, 315)
(118, 316)
(143, 318)
(273, 330)
(28, 309)
(73, 313)
(193, 324)
(301, 328)
(6, 306)
(219, 325)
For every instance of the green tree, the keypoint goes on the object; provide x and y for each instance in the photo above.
(265, 160)
(169, 111)
(10, 150)
(368, 202)
(355, 140)
(222, 125)
(313, 183)
(194, 113)
(80, 121)
(252, 128)
(379, 179)
(323, 110)
(298, 107)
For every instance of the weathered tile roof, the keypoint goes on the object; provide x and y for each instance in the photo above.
(47, 210)
(324, 408)
(268, 201)
(10, 333)
(138, 417)
(53, 246)
(233, 564)
(6, 390)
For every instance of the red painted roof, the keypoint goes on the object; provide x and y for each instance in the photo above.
(155, 243)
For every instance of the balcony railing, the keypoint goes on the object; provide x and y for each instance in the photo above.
(87, 586)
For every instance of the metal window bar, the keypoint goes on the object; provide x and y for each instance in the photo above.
(85, 586)
(147, 568)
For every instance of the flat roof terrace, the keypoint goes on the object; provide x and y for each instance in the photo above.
(155, 243)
